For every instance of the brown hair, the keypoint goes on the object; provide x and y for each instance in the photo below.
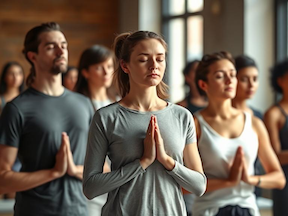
(203, 66)
(123, 47)
(32, 42)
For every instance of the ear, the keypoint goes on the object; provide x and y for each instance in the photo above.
(31, 56)
(203, 85)
(85, 73)
(124, 66)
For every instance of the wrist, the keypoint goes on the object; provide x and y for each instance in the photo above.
(258, 182)
(145, 162)
(55, 174)
(168, 162)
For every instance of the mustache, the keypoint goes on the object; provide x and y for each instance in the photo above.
(59, 59)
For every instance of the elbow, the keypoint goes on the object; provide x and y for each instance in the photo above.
(87, 193)
(281, 183)
(202, 186)
(202, 190)
(90, 190)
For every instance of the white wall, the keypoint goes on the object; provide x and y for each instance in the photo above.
(150, 15)
(259, 44)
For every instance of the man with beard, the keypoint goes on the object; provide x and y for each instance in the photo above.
(47, 127)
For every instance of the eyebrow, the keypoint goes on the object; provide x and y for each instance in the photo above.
(220, 70)
(146, 54)
(48, 43)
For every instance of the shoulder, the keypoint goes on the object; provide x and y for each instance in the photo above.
(257, 124)
(108, 111)
(21, 99)
(180, 110)
(182, 114)
(273, 111)
(76, 95)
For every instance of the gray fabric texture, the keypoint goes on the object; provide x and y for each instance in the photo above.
(33, 123)
(119, 132)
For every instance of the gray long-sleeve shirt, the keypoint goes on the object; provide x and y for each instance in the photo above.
(119, 132)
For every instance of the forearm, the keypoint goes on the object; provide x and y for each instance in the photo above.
(96, 183)
(190, 180)
(11, 181)
(79, 172)
(216, 184)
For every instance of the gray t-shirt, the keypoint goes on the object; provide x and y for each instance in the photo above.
(119, 132)
(33, 123)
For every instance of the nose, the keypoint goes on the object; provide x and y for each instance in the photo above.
(104, 70)
(250, 83)
(60, 51)
(154, 65)
(228, 79)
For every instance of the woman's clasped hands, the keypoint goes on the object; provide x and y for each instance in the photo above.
(154, 147)
(239, 170)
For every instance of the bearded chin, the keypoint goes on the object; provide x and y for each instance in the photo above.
(59, 69)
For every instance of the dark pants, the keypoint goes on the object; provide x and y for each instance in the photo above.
(233, 211)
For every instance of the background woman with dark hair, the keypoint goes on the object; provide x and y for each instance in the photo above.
(247, 76)
(96, 68)
(11, 82)
(11, 85)
(229, 140)
(69, 79)
(247, 85)
(276, 121)
(194, 101)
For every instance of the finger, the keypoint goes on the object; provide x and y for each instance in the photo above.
(153, 126)
(157, 126)
(148, 132)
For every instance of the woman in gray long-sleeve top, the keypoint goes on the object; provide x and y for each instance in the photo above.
(146, 138)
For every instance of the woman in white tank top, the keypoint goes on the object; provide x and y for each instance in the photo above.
(229, 141)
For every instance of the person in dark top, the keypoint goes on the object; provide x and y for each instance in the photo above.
(193, 101)
(276, 121)
(11, 85)
(47, 127)
(247, 76)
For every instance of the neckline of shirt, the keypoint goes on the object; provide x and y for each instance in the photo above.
(146, 112)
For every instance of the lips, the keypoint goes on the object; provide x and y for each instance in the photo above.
(154, 75)
(60, 59)
(229, 89)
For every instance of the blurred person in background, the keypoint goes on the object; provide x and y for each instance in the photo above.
(276, 121)
(96, 67)
(11, 85)
(193, 101)
(247, 75)
(229, 141)
(11, 82)
(70, 78)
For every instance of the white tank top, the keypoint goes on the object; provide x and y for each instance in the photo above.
(217, 154)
